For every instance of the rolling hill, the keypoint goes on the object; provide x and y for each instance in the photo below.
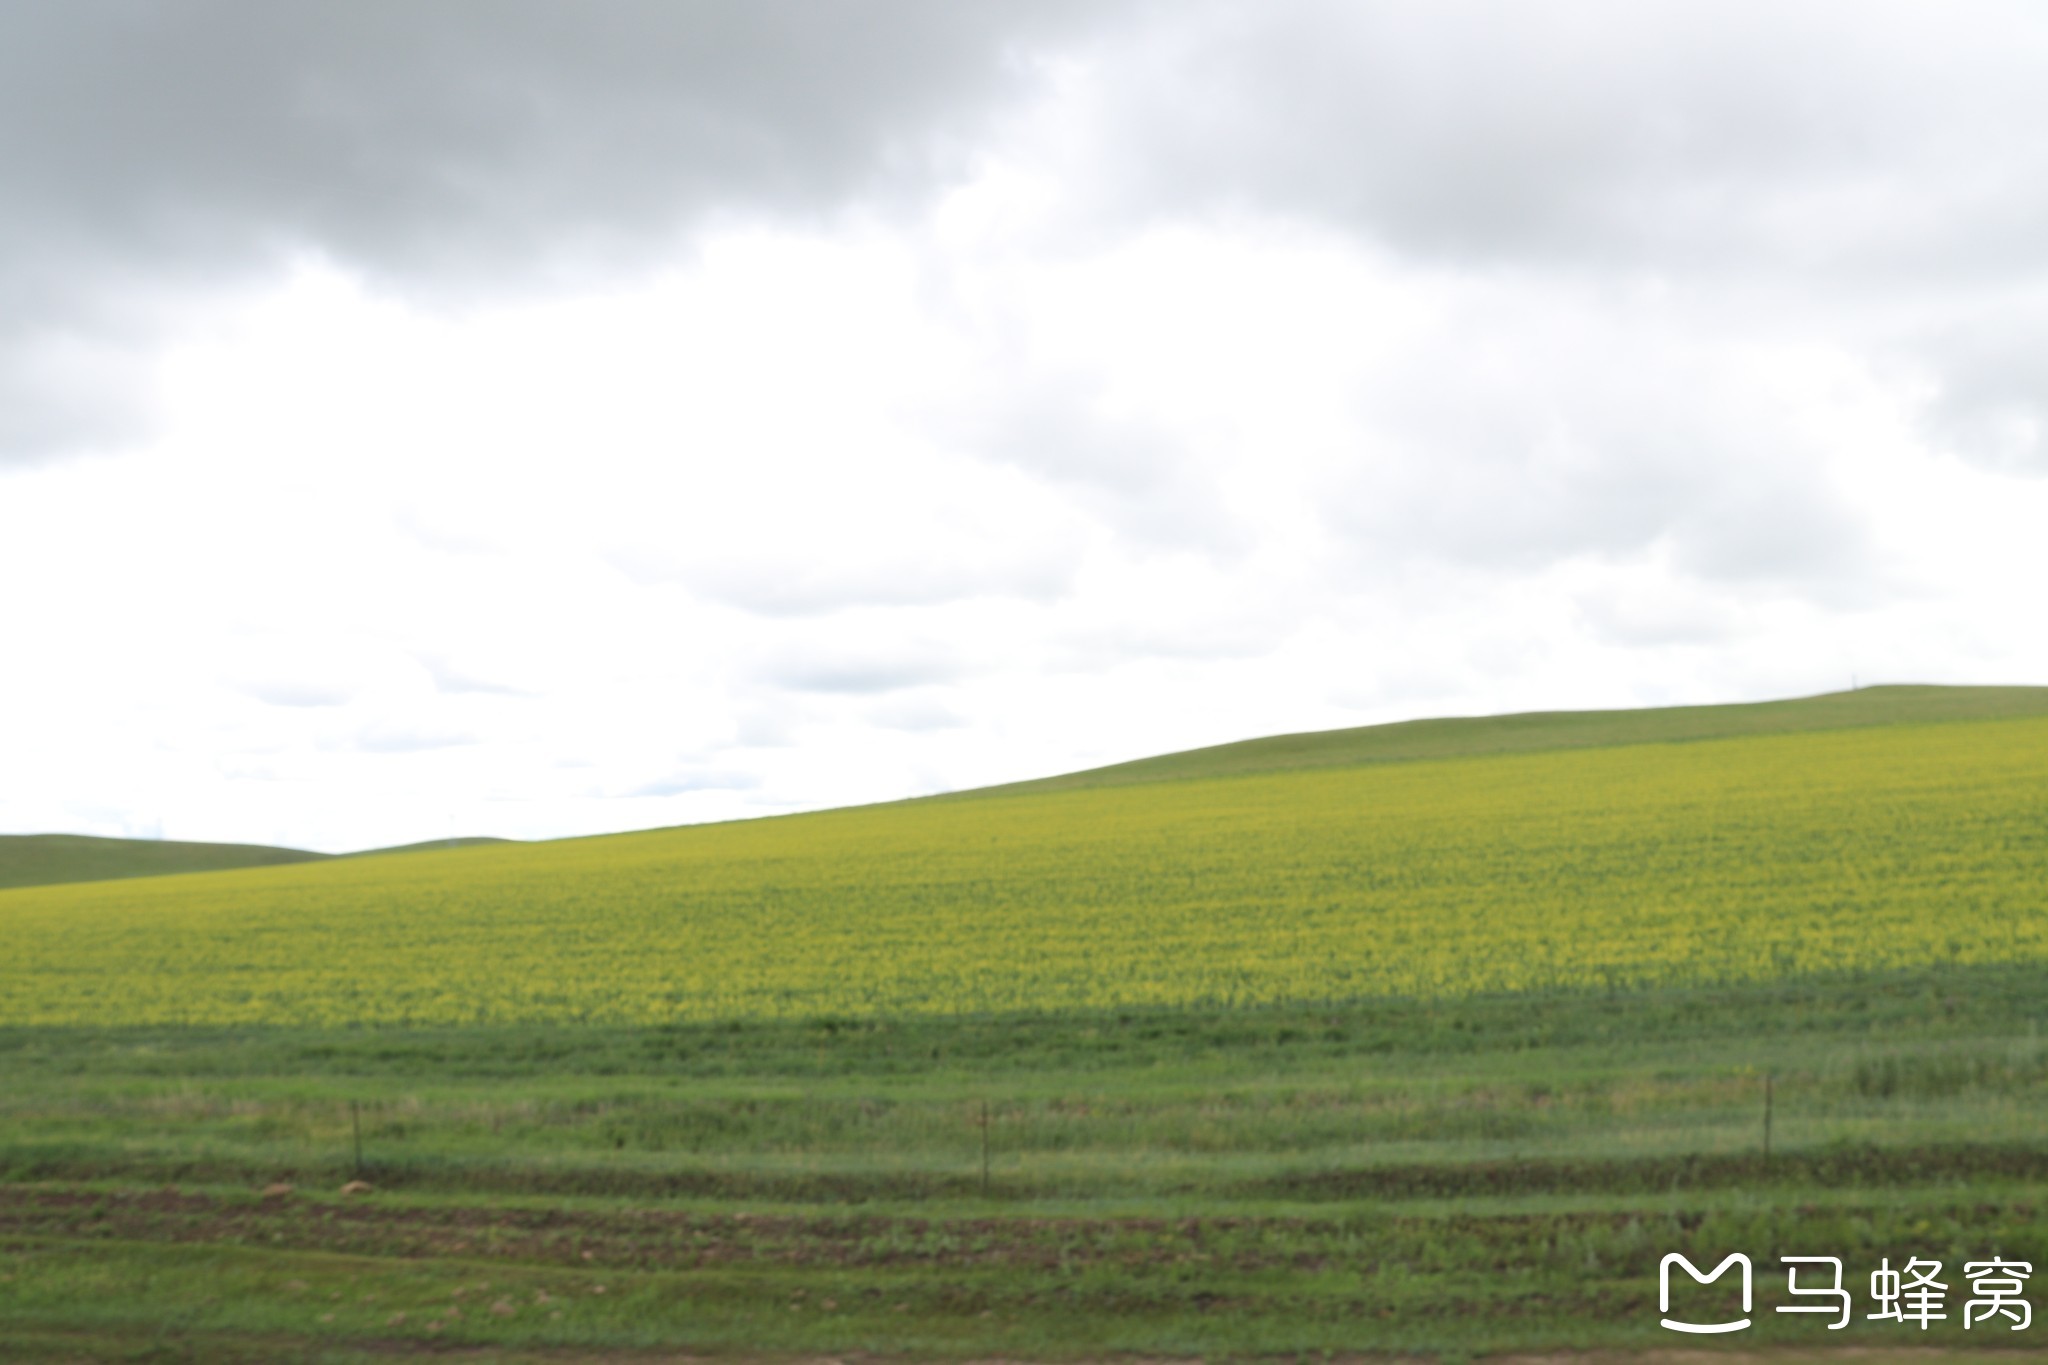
(44, 859)
(1867, 832)
(1538, 1000)
(1536, 731)
(49, 859)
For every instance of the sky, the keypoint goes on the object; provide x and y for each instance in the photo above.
(428, 419)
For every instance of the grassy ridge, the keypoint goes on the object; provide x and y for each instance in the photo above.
(48, 859)
(1540, 731)
(54, 859)
(1724, 860)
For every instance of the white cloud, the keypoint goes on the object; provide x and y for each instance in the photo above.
(1434, 361)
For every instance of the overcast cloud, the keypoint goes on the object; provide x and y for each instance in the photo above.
(539, 419)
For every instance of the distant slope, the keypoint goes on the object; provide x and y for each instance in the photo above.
(52, 859)
(1534, 731)
(45, 859)
(430, 846)
(1757, 857)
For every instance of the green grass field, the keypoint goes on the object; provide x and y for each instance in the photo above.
(48, 859)
(1485, 1175)
(1435, 1049)
(1745, 858)
(44, 859)
(1539, 731)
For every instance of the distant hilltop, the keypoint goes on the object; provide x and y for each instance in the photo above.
(45, 859)
(48, 859)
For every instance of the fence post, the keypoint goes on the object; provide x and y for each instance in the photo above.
(355, 1118)
(984, 1148)
(1768, 1078)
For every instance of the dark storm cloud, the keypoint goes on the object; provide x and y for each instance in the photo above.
(440, 147)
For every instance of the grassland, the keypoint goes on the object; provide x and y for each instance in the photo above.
(45, 859)
(1603, 868)
(1542, 731)
(51, 859)
(1449, 1178)
(1433, 1055)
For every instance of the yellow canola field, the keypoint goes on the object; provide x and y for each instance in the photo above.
(1723, 860)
